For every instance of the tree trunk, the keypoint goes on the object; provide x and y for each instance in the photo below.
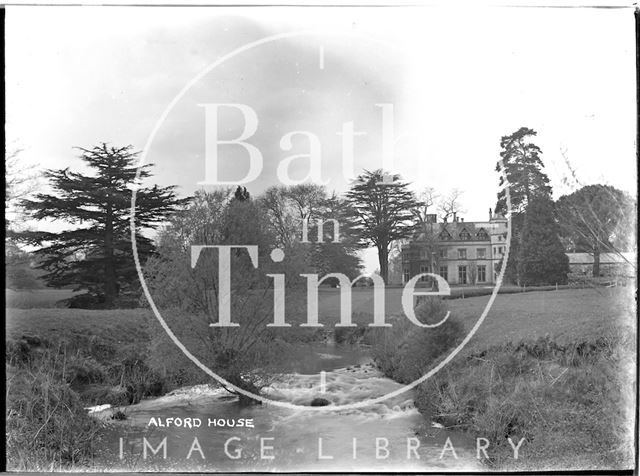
(110, 284)
(383, 260)
(596, 261)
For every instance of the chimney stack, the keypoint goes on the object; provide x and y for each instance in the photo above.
(455, 218)
(490, 214)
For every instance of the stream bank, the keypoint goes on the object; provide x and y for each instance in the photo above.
(387, 436)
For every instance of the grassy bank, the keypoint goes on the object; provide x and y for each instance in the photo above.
(554, 368)
(59, 361)
(572, 404)
(546, 366)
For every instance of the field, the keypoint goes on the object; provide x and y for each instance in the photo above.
(116, 328)
(36, 299)
(554, 368)
(549, 365)
(566, 314)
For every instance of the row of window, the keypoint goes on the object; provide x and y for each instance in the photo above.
(481, 253)
(463, 274)
(464, 235)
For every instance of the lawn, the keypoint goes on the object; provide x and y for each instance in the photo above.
(566, 315)
(116, 329)
(37, 298)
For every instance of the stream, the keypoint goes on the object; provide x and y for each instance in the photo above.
(388, 436)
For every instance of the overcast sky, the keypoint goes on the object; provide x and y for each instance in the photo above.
(458, 80)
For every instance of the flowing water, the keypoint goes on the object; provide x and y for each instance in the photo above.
(386, 436)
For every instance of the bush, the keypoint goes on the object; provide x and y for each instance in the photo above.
(349, 335)
(171, 365)
(47, 426)
(405, 352)
(83, 370)
(565, 400)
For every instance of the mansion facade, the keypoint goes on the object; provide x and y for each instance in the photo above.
(463, 253)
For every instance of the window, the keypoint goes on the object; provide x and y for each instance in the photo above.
(445, 235)
(462, 253)
(424, 268)
(500, 249)
(443, 252)
(462, 275)
(424, 254)
(481, 253)
(407, 275)
(482, 273)
(444, 272)
(482, 234)
(464, 234)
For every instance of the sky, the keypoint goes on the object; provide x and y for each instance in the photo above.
(457, 80)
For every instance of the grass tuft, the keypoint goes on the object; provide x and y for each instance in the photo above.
(563, 399)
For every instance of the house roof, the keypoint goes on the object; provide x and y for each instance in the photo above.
(455, 229)
(605, 258)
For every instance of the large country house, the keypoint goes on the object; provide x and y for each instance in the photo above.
(462, 252)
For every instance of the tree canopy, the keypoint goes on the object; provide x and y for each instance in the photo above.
(95, 254)
(289, 207)
(541, 257)
(191, 295)
(523, 169)
(520, 168)
(597, 219)
(383, 212)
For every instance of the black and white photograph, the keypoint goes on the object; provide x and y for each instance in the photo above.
(376, 238)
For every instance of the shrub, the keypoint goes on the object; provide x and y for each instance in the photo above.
(349, 335)
(47, 426)
(167, 361)
(24, 349)
(83, 370)
(133, 375)
(405, 352)
(563, 399)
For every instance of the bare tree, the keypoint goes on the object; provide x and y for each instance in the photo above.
(20, 181)
(307, 198)
(249, 355)
(289, 206)
(451, 204)
(426, 201)
(280, 213)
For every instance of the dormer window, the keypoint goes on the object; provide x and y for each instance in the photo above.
(482, 234)
(444, 235)
(464, 234)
